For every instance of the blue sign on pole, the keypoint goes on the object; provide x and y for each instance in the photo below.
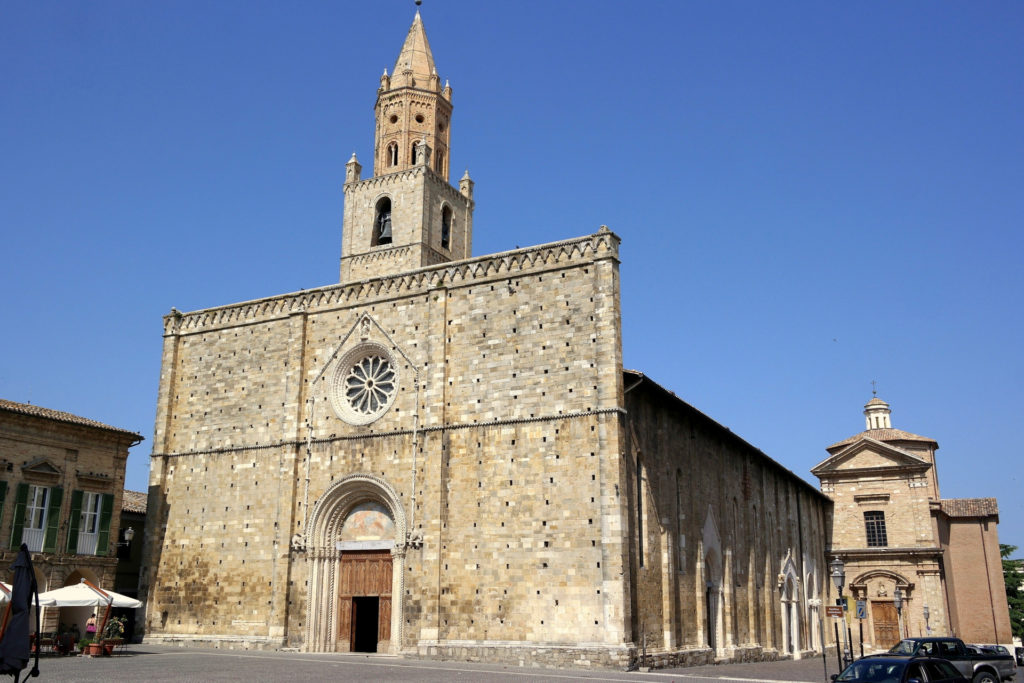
(862, 609)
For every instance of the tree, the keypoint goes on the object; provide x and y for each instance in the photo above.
(1013, 577)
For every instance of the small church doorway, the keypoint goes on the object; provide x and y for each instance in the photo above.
(365, 626)
(364, 601)
(886, 621)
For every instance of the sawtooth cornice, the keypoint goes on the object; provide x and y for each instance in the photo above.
(601, 245)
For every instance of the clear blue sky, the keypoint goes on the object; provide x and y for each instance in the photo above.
(811, 195)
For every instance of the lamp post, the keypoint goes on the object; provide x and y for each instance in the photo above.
(927, 626)
(897, 599)
(838, 571)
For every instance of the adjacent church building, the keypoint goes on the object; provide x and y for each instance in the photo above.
(441, 454)
(893, 531)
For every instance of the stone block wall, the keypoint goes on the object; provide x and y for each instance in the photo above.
(507, 415)
(713, 509)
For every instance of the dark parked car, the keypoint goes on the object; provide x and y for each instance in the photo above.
(900, 669)
(1019, 653)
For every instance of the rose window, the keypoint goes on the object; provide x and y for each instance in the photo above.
(365, 384)
(369, 384)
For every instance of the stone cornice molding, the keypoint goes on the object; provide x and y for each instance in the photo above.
(866, 472)
(595, 247)
(887, 553)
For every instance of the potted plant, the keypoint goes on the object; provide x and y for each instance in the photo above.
(113, 634)
(84, 644)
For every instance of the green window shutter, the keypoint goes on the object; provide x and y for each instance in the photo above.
(76, 515)
(53, 519)
(18, 523)
(106, 512)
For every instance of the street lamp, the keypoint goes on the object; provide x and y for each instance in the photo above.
(838, 571)
(897, 599)
(838, 574)
(927, 626)
(129, 534)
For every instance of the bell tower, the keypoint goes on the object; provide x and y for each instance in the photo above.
(407, 215)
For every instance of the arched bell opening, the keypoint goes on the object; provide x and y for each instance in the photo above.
(382, 222)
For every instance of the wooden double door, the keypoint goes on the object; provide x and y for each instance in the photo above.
(364, 601)
(887, 625)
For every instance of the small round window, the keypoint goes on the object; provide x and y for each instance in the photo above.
(393, 119)
(419, 118)
(364, 384)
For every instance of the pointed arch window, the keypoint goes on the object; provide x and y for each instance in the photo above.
(382, 222)
(446, 227)
(640, 511)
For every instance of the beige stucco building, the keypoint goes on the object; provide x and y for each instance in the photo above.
(442, 454)
(893, 530)
(61, 485)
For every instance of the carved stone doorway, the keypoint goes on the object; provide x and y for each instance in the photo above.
(364, 601)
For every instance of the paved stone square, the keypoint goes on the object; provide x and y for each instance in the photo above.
(169, 663)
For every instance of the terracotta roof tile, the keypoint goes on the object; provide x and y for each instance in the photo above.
(59, 416)
(134, 501)
(883, 435)
(969, 507)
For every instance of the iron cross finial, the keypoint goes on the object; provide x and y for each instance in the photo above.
(874, 388)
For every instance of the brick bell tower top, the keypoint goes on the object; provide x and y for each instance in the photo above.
(412, 107)
(407, 216)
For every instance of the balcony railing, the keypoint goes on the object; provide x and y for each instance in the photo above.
(87, 543)
(33, 538)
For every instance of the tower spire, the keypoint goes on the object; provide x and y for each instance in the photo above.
(415, 63)
(411, 108)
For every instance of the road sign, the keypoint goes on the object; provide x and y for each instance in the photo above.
(833, 611)
(862, 609)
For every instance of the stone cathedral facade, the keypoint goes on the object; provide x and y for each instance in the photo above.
(442, 454)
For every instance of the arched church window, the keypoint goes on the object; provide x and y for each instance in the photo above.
(446, 227)
(392, 154)
(382, 223)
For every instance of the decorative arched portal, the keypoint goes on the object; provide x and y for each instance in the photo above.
(878, 587)
(789, 586)
(356, 549)
(711, 545)
(813, 610)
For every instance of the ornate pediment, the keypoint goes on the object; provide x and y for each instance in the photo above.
(868, 454)
(41, 468)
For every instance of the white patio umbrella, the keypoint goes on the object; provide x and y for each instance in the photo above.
(85, 595)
